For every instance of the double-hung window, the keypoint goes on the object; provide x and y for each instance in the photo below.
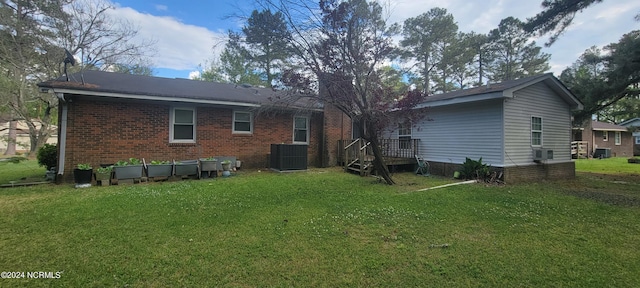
(301, 129)
(242, 122)
(536, 131)
(618, 138)
(605, 135)
(404, 135)
(183, 125)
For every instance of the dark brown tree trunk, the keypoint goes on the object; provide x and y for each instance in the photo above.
(371, 135)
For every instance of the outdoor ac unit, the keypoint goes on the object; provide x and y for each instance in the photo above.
(542, 154)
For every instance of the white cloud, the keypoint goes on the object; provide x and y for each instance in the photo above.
(162, 7)
(178, 46)
(194, 74)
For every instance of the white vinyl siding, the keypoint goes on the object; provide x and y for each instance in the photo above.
(183, 125)
(540, 101)
(449, 134)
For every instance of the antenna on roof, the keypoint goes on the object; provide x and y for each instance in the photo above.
(68, 59)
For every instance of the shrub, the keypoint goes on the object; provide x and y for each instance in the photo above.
(472, 169)
(48, 156)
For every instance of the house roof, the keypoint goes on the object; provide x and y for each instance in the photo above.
(121, 85)
(631, 122)
(603, 126)
(501, 90)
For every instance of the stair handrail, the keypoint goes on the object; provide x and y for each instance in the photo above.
(351, 144)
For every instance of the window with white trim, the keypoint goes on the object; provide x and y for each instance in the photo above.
(300, 129)
(637, 140)
(404, 135)
(183, 125)
(536, 131)
(242, 122)
(618, 138)
(605, 135)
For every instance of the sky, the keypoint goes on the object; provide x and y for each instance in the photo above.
(189, 33)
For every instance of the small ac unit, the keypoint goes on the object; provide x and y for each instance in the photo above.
(542, 154)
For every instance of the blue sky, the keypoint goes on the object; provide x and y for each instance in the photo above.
(190, 33)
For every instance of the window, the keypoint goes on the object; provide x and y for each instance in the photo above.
(183, 125)
(242, 122)
(300, 129)
(536, 131)
(638, 140)
(618, 138)
(404, 135)
(605, 135)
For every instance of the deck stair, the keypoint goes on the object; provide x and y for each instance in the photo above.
(357, 157)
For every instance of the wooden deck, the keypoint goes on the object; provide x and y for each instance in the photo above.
(356, 155)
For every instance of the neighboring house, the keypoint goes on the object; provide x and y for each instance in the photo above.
(105, 117)
(23, 142)
(634, 126)
(605, 140)
(520, 127)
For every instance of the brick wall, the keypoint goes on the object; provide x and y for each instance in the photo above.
(537, 172)
(512, 175)
(103, 132)
(337, 127)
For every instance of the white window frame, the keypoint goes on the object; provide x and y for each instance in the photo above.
(233, 124)
(172, 124)
(637, 140)
(306, 118)
(404, 135)
(605, 136)
(537, 131)
(618, 138)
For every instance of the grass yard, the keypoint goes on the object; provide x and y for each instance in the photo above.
(324, 227)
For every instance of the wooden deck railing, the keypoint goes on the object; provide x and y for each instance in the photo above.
(348, 150)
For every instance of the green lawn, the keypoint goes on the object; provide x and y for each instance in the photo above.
(324, 227)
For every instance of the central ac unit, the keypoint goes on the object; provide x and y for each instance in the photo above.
(542, 154)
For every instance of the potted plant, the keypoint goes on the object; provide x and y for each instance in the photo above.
(186, 168)
(131, 169)
(226, 167)
(83, 175)
(158, 168)
(104, 174)
(209, 166)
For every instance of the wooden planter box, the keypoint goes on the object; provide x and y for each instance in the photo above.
(128, 172)
(160, 170)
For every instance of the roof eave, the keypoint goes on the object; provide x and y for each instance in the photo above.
(461, 100)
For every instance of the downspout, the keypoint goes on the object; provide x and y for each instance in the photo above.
(62, 137)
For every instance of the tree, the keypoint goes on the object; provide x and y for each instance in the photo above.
(512, 54)
(33, 35)
(556, 16)
(602, 78)
(26, 31)
(341, 44)
(268, 39)
(425, 39)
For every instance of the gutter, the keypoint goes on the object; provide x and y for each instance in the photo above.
(62, 137)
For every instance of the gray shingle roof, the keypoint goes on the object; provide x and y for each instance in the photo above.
(499, 90)
(158, 87)
(604, 126)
